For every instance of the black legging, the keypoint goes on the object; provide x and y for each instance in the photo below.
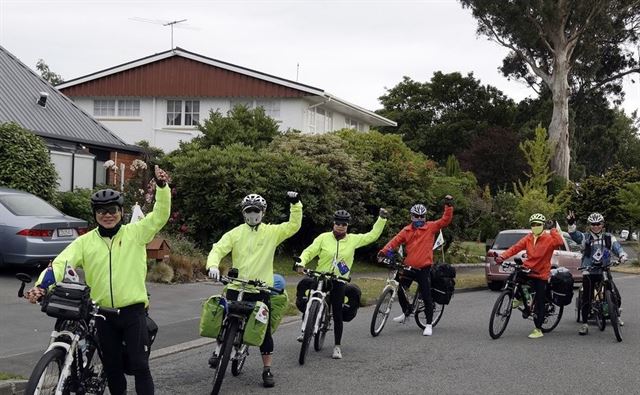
(266, 348)
(540, 288)
(588, 281)
(130, 327)
(336, 298)
(423, 278)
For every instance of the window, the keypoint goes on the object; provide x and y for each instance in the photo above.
(271, 107)
(107, 108)
(104, 108)
(191, 112)
(128, 108)
(351, 123)
(27, 204)
(175, 111)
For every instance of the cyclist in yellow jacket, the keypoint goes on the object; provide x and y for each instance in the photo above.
(335, 251)
(114, 259)
(252, 246)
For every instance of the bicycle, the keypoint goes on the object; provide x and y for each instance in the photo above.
(390, 293)
(516, 289)
(230, 345)
(72, 363)
(605, 302)
(317, 316)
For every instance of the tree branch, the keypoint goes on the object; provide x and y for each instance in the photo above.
(597, 84)
(541, 32)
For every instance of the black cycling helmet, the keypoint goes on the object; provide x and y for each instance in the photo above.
(341, 216)
(105, 197)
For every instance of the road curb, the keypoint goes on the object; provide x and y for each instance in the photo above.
(12, 387)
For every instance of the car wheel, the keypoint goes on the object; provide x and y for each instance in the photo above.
(495, 285)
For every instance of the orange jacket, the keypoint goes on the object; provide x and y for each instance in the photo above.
(539, 251)
(418, 242)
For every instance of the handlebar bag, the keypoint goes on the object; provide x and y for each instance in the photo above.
(561, 288)
(68, 301)
(255, 328)
(352, 295)
(211, 317)
(279, 305)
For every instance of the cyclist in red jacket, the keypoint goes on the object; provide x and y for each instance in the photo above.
(539, 246)
(418, 238)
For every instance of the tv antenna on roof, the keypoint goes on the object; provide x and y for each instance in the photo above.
(165, 23)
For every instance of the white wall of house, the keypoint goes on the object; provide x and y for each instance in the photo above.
(149, 119)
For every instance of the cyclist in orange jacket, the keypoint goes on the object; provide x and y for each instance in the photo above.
(539, 246)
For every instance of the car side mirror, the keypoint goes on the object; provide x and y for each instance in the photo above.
(488, 244)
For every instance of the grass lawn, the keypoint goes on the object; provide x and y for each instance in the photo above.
(9, 376)
(284, 266)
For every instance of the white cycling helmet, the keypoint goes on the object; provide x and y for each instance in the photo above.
(595, 218)
(253, 208)
(537, 217)
(419, 210)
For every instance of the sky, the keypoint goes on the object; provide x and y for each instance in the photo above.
(353, 49)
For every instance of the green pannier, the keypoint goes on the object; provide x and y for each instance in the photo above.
(211, 317)
(279, 305)
(256, 327)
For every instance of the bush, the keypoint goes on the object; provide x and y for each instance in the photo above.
(77, 204)
(159, 272)
(25, 163)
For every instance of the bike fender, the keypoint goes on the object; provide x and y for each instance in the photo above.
(53, 345)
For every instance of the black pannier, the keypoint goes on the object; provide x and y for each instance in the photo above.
(302, 292)
(69, 301)
(350, 308)
(443, 283)
(561, 287)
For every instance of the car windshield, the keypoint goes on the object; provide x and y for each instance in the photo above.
(22, 205)
(506, 240)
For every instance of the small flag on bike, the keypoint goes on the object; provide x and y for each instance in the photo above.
(49, 278)
(439, 241)
(70, 275)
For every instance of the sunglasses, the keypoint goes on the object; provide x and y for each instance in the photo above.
(113, 210)
(595, 223)
(341, 223)
(536, 224)
(418, 216)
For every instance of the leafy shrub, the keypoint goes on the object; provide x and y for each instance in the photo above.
(25, 163)
(77, 204)
(159, 272)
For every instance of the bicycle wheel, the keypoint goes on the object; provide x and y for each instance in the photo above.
(318, 338)
(579, 306)
(46, 374)
(381, 312)
(421, 314)
(500, 314)
(225, 354)
(93, 375)
(601, 321)
(238, 363)
(308, 330)
(552, 316)
(613, 315)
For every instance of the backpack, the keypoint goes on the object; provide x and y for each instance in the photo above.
(352, 294)
(443, 283)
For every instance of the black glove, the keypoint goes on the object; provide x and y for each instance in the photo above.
(383, 213)
(293, 197)
(571, 218)
(448, 200)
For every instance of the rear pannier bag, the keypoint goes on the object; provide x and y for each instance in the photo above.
(279, 305)
(211, 317)
(352, 295)
(256, 327)
(561, 288)
(443, 283)
(68, 301)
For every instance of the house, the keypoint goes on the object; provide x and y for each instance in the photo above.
(77, 143)
(161, 98)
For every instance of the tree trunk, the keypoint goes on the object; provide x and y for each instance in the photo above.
(559, 126)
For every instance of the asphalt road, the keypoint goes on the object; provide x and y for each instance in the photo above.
(460, 358)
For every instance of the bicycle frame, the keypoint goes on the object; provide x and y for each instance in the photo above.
(318, 295)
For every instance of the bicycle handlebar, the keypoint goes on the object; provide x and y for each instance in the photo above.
(261, 285)
(517, 264)
(332, 276)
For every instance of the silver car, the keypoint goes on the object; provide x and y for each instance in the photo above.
(32, 231)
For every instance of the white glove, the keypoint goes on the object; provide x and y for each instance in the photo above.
(214, 273)
(623, 259)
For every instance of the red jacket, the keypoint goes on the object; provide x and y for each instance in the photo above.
(539, 252)
(418, 242)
